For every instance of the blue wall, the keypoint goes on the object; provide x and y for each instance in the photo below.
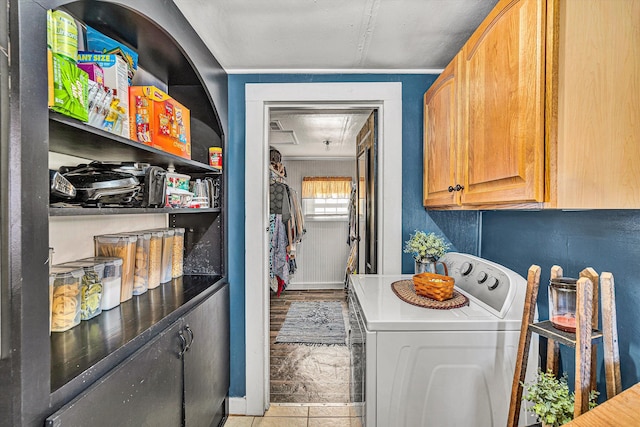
(607, 240)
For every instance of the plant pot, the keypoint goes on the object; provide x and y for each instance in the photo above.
(425, 266)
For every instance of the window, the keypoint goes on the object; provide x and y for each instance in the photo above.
(326, 197)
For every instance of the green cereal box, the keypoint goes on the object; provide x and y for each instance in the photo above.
(69, 86)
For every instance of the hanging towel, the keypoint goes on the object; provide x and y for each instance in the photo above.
(280, 265)
(279, 201)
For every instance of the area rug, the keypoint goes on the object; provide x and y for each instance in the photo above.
(314, 323)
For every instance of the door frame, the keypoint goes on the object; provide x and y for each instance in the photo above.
(259, 99)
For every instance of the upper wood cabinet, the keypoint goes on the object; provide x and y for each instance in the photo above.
(440, 139)
(545, 112)
(593, 104)
(502, 106)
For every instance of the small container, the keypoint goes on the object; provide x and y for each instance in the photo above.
(215, 157)
(177, 261)
(199, 203)
(200, 191)
(562, 303)
(111, 281)
(155, 258)
(90, 287)
(167, 254)
(120, 246)
(177, 180)
(65, 35)
(65, 300)
(178, 198)
(141, 269)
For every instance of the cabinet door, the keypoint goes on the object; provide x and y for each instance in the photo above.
(440, 137)
(598, 106)
(145, 390)
(206, 363)
(502, 158)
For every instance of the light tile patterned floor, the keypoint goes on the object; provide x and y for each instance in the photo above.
(341, 415)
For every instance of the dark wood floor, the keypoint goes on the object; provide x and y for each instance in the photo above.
(307, 374)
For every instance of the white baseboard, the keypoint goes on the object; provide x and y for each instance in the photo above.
(237, 406)
(293, 286)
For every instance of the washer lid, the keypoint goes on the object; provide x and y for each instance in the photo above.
(384, 311)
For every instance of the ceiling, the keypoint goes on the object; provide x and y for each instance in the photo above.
(336, 36)
(316, 133)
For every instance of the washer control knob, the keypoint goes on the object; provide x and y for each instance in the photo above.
(482, 277)
(466, 268)
(492, 283)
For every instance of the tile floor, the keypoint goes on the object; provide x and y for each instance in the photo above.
(313, 415)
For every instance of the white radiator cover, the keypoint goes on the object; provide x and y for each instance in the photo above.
(322, 255)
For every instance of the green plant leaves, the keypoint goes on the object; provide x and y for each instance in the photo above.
(552, 401)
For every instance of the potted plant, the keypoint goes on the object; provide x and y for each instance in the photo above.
(426, 249)
(551, 400)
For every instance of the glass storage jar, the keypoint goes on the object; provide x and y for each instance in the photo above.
(90, 287)
(178, 253)
(167, 254)
(120, 246)
(155, 258)
(562, 303)
(141, 268)
(111, 281)
(65, 300)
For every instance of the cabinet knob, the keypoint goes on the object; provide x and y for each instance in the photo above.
(458, 187)
(451, 189)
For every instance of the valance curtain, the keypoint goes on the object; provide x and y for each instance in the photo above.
(326, 187)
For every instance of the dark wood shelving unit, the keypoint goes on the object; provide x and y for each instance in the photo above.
(74, 138)
(85, 352)
(46, 374)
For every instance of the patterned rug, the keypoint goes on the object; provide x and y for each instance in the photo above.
(314, 323)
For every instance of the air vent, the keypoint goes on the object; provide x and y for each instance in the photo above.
(275, 125)
(283, 137)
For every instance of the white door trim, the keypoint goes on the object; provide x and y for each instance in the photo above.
(259, 98)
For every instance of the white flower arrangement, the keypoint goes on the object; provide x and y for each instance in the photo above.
(426, 247)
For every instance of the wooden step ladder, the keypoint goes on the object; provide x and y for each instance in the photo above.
(584, 340)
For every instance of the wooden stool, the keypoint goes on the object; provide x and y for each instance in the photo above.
(584, 339)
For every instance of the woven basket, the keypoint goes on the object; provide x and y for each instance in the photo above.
(434, 286)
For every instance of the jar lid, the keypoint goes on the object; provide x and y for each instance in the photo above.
(563, 282)
(105, 259)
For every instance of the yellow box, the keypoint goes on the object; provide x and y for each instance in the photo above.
(160, 121)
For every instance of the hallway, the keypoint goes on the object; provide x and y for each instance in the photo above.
(302, 373)
(309, 384)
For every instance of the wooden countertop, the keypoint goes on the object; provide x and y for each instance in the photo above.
(622, 410)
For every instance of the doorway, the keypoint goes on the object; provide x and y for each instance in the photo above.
(313, 157)
(260, 98)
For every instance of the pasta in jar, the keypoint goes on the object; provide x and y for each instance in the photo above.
(65, 298)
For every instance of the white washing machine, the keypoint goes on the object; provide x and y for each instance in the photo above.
(414, 366)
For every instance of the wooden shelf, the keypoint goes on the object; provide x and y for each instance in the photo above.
(546, 329)
(74, 138)
(80, 211)
(87, 351)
